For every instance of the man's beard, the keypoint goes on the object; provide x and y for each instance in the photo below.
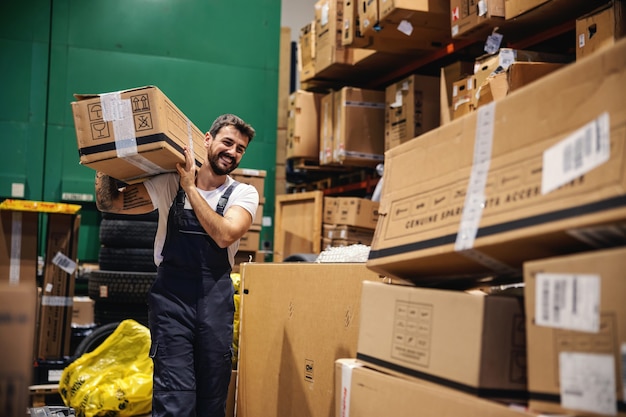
(214, 162)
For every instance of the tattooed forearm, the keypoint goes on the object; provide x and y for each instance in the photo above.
(132, 199)
(106, 191)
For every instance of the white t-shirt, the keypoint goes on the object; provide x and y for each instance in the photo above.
(163, 189)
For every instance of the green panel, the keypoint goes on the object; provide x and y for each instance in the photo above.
(24, 67)
(208, 57)
(88, 234)
(233, 32)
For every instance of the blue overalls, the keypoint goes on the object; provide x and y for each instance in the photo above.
(191, 319)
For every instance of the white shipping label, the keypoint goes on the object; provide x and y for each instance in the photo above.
(65, 263)
(568, 301)
(405, 27)
(482, 8)
(324, 14)
(507, 57)
(587, 382)
(579, 153)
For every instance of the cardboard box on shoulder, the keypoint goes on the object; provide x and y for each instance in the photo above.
(576, 332)
(133, 134)
(473, 343)
(531, 193)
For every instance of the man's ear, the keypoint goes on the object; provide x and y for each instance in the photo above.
(207, 138)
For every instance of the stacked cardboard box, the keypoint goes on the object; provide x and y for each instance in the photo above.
(576, 324)
(352, 127)
(496, 187)
(249, 244)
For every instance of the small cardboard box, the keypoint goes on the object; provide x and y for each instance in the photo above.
(576, 333)
(250, 241)
(254, 177)
(356, 211)
(303, 125)
(82, 311)
(475, 19)
(365, 392)
(517, 75)
(358, 127)
(18, 306)
(600, 28)
(133, 134)
(463, 96)
(411, 108)
(531, 206)
(328, 47)
(474, 343)
(296, 320)
(18, 246)
(306, 51)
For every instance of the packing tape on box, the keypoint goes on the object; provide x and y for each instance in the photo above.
(119, 112)
(57, 301)
(475, 195)
(190, 137)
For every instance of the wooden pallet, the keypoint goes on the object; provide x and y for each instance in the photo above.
(40, 395)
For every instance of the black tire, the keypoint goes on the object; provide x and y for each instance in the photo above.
(126, 259)
(127, 233)
(105, 312)
(95, 339)
(122, 287)
(153, 216)
(301, 257)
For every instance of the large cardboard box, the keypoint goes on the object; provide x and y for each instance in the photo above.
(365, 392)
(303, 139)
(358, 127)
(55, 322)
(576, 330)
(600, 28)
(436, 223)
(18, 306)
(411, 108)
(296, 320)
(474, 343)
(18, 246)
(133, 134)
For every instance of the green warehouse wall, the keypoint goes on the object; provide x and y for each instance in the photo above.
(208, 57)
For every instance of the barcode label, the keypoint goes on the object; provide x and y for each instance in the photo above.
(587, 382)
(579, 153)
(568, 301)
(64, 263)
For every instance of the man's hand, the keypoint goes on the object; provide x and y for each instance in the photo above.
(187, 172)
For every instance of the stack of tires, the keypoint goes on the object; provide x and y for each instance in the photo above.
(127, 270)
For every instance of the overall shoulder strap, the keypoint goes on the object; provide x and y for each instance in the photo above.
(224, 198)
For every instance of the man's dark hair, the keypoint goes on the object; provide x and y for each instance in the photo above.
(235, 121)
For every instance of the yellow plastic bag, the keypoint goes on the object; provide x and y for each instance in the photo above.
(113, 380)
(236, 278)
